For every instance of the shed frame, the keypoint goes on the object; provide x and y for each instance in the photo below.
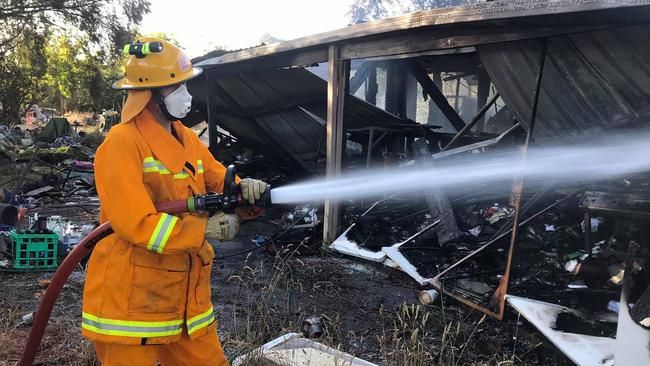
(430, 32)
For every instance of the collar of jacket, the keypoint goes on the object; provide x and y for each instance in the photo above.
(165, 147)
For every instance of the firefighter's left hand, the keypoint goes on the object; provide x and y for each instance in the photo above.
(222, 226)
(252, 189)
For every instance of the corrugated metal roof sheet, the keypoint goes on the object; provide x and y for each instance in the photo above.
(593, 82)
(506, 13)
(283, 110)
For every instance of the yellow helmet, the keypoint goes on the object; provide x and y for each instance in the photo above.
(155, 63)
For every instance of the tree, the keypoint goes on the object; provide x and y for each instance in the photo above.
(267, 38)
(366, 10)
(19, 76)
(62, 49)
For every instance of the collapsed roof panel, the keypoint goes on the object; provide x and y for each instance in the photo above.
(269, 80)
(283, 110)
(593, 81)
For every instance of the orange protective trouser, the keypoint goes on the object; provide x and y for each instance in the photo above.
(203, 351)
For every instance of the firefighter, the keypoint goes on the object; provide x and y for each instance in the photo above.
(147, 293)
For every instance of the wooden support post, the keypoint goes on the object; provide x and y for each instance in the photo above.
(482, 96)
(457, 99)
(411, 96)
(211, 100)
(371, 140)
(395, 88)
(337, 84)
(435, 94)
(372, 87)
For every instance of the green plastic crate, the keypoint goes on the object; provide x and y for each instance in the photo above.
(34, 251)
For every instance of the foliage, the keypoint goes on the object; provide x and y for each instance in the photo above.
(366, 10)
(20, 73)
(77, 77)
(63, 53)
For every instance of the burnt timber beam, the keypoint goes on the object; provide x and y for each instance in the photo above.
(359, 77)
(421, 42)
(372, 87)
(479, 115)
(415, 42)
(482, 96)
(435, 94)
(337, 89)
(300, 58)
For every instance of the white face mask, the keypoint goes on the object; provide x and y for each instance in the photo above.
(178, 102)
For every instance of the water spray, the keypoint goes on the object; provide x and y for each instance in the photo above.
(601, 159)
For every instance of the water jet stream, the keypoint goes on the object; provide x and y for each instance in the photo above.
(598, 160)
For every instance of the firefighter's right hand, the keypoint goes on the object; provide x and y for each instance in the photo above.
(222, 226)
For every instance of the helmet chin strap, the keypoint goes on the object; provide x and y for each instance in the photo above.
(160, 101)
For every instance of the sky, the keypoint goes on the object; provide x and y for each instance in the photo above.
(201, 26)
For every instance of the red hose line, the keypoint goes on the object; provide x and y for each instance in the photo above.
(61, 275)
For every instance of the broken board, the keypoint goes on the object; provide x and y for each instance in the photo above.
(584, 350)
(294, 350)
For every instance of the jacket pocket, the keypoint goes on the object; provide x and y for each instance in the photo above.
(159, 282)
(202, 292)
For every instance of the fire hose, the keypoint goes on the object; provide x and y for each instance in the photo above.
(211, 202)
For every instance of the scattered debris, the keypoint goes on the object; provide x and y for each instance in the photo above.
(299, 228)
(291, 349)
(428, 297)
(28, 318)
(312, 327)
(8, 214)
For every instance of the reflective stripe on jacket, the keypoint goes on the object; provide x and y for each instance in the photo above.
(150, 280)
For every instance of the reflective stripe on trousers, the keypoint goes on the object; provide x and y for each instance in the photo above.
(131, 328)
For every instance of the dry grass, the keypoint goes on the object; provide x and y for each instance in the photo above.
(271, 307)
(62, 344)
(274, 295)
(268, 306)
(411, 335)
(408, 341)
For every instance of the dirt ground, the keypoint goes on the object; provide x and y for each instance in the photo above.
(368, 311)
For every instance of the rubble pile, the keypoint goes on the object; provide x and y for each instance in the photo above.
(576, 254)
(299, 229)
(47, 176)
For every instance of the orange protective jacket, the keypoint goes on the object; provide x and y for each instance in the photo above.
(150, 280)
